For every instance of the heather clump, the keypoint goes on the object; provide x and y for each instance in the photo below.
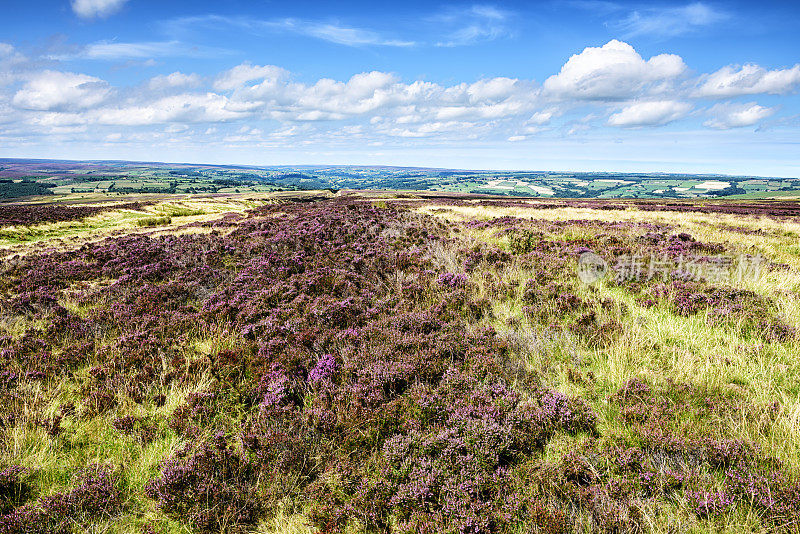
(770, 491)
(674, 407)
(658, 416)
(141, 429)
(453, 279)
(588, 488)
(96, 495)
(197, 411)
(485, 257)
(679, 244)
(709, 503)
(749, 312)
(524, 241)
(211, 486)
(448, 469)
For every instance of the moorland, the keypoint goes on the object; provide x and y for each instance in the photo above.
(323, 361)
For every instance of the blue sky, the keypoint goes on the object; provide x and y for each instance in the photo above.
(562, 85)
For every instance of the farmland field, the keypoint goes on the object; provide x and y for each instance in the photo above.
(321, 361)
(65, 179)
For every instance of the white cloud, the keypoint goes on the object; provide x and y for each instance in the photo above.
(382, 93)
(175, 128)
(470, 25)
(452, 27)
(239, 75)
(53, 90)
(669, 21)
(748, 79)
(96, 8)
(182, 108)
(112, 50)
(254, 92)
(10, 63)
(729, 115)
(542, 117)
(493, 89)
(335, 33)
(614, 71)
(649, 113)
(176, 79)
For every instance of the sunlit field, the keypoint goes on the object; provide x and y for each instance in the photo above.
(318, 362)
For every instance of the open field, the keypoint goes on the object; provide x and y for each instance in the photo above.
(312, 361)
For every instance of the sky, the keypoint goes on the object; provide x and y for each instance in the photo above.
(571, 85)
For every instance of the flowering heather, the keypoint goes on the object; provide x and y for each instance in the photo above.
(453, 279)
(751, 312)
(770, 491)
(211, 487)
(707, 503)
(29, 214)
(95, 496)
(324, 369)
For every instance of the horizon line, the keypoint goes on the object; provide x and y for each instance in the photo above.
(372, 166)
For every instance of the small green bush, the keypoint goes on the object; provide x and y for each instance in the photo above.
(181, 211)
(153, 221)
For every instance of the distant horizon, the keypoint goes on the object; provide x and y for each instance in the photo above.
(377, 166)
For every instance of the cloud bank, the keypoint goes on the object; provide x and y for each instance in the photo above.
(601, 87)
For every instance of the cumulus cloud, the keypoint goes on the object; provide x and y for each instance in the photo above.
(380, 92)
(614, 71)
(669, 21)
(748, 79)
(329, 99)
(96, 8)
(258, 93)
(649, 113)
(729, 115)
(543, 117)
(181, 108)
(53, 90)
